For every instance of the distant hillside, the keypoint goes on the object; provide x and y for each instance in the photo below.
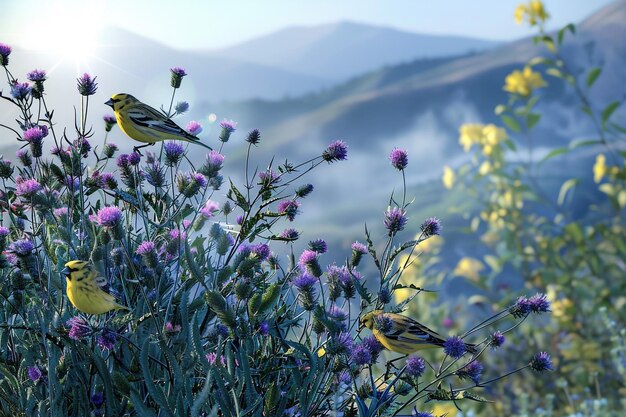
(419, 106)
(342, 50)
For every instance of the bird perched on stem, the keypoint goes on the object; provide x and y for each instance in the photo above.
(402, 334)
(85, 289)
(146, 124)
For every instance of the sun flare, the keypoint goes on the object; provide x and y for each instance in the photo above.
(70, 32)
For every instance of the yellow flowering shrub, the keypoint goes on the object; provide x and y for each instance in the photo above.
(533, 12)
(523, 82)
(448, 177)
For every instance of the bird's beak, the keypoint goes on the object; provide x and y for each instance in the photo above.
(65, 271)
(109, 103)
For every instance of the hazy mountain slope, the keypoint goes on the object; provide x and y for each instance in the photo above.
(342, 50)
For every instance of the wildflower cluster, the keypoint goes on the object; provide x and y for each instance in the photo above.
(208, 314)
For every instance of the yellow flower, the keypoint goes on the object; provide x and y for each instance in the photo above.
(469, 268)
(447, 409)
(485, 168)
(430, 244)
(469, 134)
(533, 11)
(321, 352)
(599, 168)
(448, 177)
(492, 134)
(560, 307)
(520, 11)
(537, 12)
(523, 82)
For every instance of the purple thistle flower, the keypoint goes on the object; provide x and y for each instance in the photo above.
(27, 188)
(36, 75)
(336, 151)
(79, 328)
(307, 257)
(108, 181)
(497, 339)
(539, 303)
(20, 91)
(6, 170)
(541, 362)
(359, 247)
(109, 149)
(122, 161)
(374, 346)
(134, 159)
(415, 366)
(344, 378)
(337, 314)
(239, 219)
(289, 234)
(304, 190)
(82, 146)
(358, 250)
(254, 137)
(209, 209)
(454, 347)
(472, 370)
(431, 227)
(87, 86)
(60, 212)
(199, 179)
(268, 178)
(318, 246)
(399, 158)
(262, 251)
(304, 282)
(177, 76)
(416, 413)
(72, 183)
(181, 107)
(395, 220)
(264, 328)
(35, 134)
(173, 153)
(5, 51)
(360, 355)
(4, 232)
(97, 399)
(228, 127)
(212, 164)
(521, 307)
(22, 247)
(109, 217)
(308, 260)
(340, 343)
(172, 328)
(290, 208)
(34, 373)
(109, 122)
(194, 128)
(106, 339)
(145, 248)
(24, 157)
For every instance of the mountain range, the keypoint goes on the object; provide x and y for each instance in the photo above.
(373, 87)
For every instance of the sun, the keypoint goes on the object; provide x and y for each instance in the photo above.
(70, 32)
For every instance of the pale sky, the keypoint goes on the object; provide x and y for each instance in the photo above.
(213, 24)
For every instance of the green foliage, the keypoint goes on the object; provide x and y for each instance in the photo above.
(556, 238)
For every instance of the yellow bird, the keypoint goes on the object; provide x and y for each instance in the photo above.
(402, 334)
(85, 289)
(146, 124)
